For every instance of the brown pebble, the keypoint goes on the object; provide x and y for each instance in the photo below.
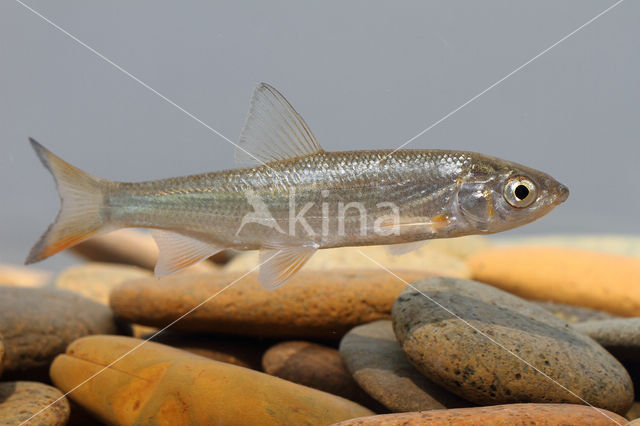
(316, 366)
(509, 414)
(20, 401)
(323, 305)
(38, 323)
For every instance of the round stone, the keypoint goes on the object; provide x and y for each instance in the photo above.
(620, 336)
(316, 366)
(1, 355)
(491, 347)
(150, 383)
(376, 361)
(596, 280)
(316, 305)
(96, 281)
(20, 276)
(38, 323)
(510, 414)
(21, 401)
(573, 314)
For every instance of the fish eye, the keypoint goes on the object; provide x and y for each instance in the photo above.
(520, 192)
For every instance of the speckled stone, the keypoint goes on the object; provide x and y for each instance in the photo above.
(602, 281)
(314, 365)
(242, 351)
(376, 361)
(39, 323)
(19, 401)
(95, 281)
(510, 414)
(323, 305)
(157, 384)
(427, 261)
(573, 314)
(621, 337)
(463, 354)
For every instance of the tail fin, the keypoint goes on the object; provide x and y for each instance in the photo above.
(81, 199)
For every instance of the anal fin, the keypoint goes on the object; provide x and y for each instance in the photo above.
(278, 265)
(404, 248)
(178, 251)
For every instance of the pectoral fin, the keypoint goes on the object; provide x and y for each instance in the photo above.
(179, 251)
(278, 265)
(404, 248)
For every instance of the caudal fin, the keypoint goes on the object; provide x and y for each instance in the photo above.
(81, 199)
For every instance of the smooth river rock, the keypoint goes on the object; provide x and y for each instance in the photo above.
(595, 280)
(38, 323)
(316, 366)
(426, 260)
(621, 337)
(20, 401)
(1, 355)
(491, 347)
(323, 305)
(509, 414)
(96, 281)
(573, 314)
(156, 384)
(376, 361)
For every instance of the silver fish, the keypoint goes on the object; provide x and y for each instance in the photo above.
(299, 198)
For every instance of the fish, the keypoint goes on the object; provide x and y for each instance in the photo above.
(291, 198)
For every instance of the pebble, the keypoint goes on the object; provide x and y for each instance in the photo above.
(130, 247)
(509, 414)
(19, 401)
(595, 280)
(457, 352)
(96, 281)
(573, 314)
(426, 260)
(621, 337)
(316, 366)
(38, 323)
(156, 384)
(245, 352)
(607, 243)
(376, 361)
(310, 305)
(20, 276)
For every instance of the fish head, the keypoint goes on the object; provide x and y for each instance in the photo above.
(497, 195)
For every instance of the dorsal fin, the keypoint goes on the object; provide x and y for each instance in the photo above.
(179, 251)
(273, 130)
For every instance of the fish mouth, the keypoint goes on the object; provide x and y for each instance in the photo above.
(562, 194)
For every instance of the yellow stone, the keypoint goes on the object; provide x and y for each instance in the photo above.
(592, 279)
(157, 384)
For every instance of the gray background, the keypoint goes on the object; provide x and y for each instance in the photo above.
(364, 74)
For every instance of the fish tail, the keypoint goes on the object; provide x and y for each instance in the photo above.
(81, 206)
